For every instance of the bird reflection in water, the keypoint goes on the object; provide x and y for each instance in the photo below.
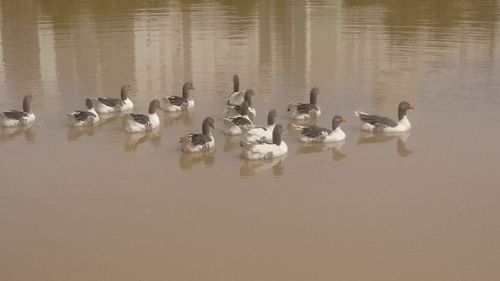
(336, 147)
(9, 133)
(133, 140)
(402, 138)
(188, 160)
(185, 117)
(251, 168)
(231, 143)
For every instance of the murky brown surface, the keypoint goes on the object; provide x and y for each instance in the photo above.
(103, 205)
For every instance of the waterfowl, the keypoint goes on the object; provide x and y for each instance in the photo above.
(136, 122)
(236, 97)
(262, 150)
(232, 125)
(380, 124)
(109, 105)
(315, 134)
(176, 103)
(13, 118)
(200, 142)
(306, 111)
(84, 118)
(235, 110)
(261, 134)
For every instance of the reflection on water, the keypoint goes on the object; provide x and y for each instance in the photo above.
(188, 160)
(180, 117)
(133, 140)
(74, 133)
(9, 133)
(335, 147)
(251, 168)
(231, 143)
(402, 138)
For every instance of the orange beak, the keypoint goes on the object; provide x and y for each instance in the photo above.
(412, 106)
(344, 119)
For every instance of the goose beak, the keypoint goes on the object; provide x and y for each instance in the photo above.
(345, 120)
(412, 106)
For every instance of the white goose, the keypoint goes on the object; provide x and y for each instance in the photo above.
(84, 118)
(236, 97)
(233, 125)
(176, 103)
(306, 111)
(255, 151)
(315, 134)
(16, 118)
(200, 142)
(110, 105)
(235, 110)
(380, 124)
(261, 134)
(143, 122)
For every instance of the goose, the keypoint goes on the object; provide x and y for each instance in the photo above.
(380, 124)
(262, 150)
(176, 103)
(109, 105)
(84, 118)
(306, 111)
(235, 110)
(15, 118)
(236, 97)
(315, 134)
(232, 125)
(261, 134)
(200, 142)
(136, 122)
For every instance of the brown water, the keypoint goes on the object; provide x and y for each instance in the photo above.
(103, 205)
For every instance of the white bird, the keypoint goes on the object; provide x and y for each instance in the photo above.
(306, 111)
(15, 118)
(235, 110)
(200, 142)
(233, 125)
(109, 105)
(143, 122)
(315, 134)
(262, 150)
(236, 97)
(261, 134)
(84, 118)
(380, 124)
(176, 103)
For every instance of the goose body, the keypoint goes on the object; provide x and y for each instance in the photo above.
(232, 126)
(200, 142)
(306, 111)
(110, 105)
(315, 134)
(136, 122)
(261, 134)
(177, 103)
(380, 124)
(262, 150)
(16, 118)
(84, 118)
(235, 110)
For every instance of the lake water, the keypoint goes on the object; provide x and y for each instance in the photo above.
(101, 204)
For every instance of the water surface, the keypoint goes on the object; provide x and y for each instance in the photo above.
(100, 204)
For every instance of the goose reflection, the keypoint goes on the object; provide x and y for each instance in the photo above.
(133, 140)
(231, 143)
(188, 160)
(76, 132)
(251, 168)
(184, 117)
(338, 155)
(9, 133)
(402, 138)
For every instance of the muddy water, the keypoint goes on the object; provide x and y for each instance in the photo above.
(104, 205)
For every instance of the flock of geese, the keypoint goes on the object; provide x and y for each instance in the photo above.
(257, 142)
